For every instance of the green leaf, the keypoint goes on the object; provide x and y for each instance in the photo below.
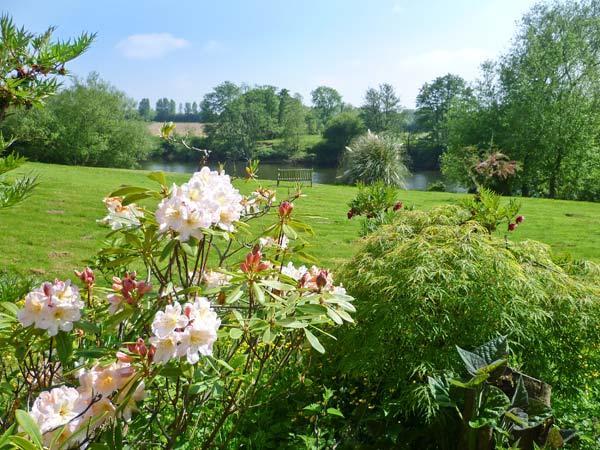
(258, 293)
(126, 190)
(64, 347)
(440, 388)
(268, 336)
(313, 341)
(277, 285)
(314, 408)
(334, 412)
(520, 397)
(23, 444)
(472, 361)
(29, 426)
(493, 350)
(159, 177)
(235, 333)
(88, 327)
(495, 405)
(473, 383)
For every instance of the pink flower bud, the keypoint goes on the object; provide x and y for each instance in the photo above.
(520, 219)
(285, 208)
(86, 276)
(124, 357)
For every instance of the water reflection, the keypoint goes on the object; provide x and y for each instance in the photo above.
(417, 181)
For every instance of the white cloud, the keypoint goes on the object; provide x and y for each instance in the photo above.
(150, 46)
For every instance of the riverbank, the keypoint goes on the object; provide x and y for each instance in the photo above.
(55, 230)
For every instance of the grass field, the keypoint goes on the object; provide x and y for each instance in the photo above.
(55, 230)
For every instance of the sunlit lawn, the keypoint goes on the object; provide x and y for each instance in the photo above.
(55, 230)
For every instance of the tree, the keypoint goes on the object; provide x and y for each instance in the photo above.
(215, 102)
(381, 108)
(90, 123)
(434, 101)
(338, 134)
(551, 84)
(144, 109)
(294, 124)
(252, 116)
(327, 102)
(30, 64)
(30, 67)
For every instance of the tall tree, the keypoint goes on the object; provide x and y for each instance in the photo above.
(327, 102)
(433, 103)
(551, 84)
(293, 123)
(144, 109)
(215, 102)
(381, 108)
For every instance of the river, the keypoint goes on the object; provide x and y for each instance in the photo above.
(417, 181)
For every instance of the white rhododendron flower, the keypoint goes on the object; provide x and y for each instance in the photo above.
(191, 337)
(57, 407)
(214, 279)
(120, 216)
(62, 406)
(165, 322)
(52, 307)
(207, 199)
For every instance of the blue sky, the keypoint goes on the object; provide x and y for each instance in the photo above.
(156, 49)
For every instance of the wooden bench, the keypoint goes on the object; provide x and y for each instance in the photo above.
(295, 175)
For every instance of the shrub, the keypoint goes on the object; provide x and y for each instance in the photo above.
(433, 280)
(90, 124)
(338, 133)
(373, 157)
(436, 186)
(174, 359)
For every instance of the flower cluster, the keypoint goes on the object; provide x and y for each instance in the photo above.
(126, 290)
(190, 331)
(120, 216)
(75, 409)
(207, 199)
(314, 279)
(52, 307)
(258, 201)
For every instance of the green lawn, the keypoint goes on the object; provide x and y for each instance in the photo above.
(54, 231)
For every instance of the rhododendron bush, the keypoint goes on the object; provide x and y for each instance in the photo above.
(199, 315)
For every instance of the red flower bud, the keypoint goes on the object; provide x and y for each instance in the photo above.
(350, 214)
(322, 279)
(397, 206)
(285, 208)
(520, 219)
(512, 226)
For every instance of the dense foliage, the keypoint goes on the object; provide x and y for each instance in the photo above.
(434, 280)
(539, 104)
(90, 123)
(372, 157)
